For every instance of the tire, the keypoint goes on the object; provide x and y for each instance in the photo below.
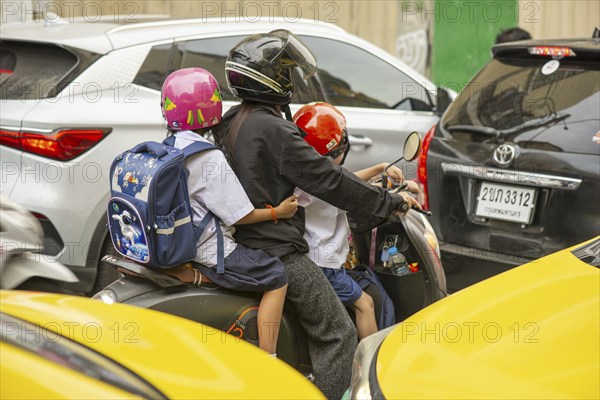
(105, 274)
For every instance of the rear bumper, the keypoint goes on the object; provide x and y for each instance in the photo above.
(451, 252)
(465, 266)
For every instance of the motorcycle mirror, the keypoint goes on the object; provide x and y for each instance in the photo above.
(412, 146)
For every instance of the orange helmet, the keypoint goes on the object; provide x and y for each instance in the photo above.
(325, 128)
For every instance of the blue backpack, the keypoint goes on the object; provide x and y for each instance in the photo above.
(364, 276)
(149, 213)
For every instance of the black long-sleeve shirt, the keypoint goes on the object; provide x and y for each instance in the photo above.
(271, 159)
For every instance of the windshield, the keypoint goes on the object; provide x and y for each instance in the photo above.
(553, 106)
(589, 253)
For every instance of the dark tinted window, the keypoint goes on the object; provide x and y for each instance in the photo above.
(209, 54)
(354, 77)
(32, 70)
(154, 70)
(539, 105)
(589, 253)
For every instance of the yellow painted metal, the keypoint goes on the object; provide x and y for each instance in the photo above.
(532, 332)
(180, 358)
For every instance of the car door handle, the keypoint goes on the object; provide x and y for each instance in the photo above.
(360, 140)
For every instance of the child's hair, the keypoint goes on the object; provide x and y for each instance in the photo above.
(512, 34)
(226, 138)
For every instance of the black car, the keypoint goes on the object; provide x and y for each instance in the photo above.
(512, 170)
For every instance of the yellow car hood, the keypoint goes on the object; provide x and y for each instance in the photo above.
(180, 358)
(532, 332)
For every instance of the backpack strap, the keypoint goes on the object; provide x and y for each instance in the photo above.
(194, 148)
(188, 151)
(220, 244)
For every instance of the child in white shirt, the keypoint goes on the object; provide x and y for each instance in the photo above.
(326, 226)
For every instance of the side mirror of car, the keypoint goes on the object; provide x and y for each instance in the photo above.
(442, 100)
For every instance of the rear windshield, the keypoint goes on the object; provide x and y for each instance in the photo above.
(33, 71)
(540, 103)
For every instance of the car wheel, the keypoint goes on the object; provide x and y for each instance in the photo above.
(105, 274)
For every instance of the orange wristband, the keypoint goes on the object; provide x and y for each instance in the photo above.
(273, 213)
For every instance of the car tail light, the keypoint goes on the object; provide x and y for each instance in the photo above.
(554, 51)
(422, 169)
(63, 145)
(10, 139)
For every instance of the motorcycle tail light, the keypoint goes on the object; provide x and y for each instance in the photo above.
(422, 169)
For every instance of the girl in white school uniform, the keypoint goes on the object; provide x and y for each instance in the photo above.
(191, 105)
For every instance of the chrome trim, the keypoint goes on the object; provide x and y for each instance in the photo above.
(18, 129)
(482, 254)
(504, 154)
(511, 176)
(360, 141)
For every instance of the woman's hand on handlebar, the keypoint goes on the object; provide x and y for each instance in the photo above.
(287, 208)
(411, 202)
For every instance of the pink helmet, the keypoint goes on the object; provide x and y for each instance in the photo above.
(190, 99)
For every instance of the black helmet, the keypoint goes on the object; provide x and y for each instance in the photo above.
(259, 67)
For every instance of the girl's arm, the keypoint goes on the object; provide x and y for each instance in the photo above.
(393, 172)
(286, 209)
(368, 173)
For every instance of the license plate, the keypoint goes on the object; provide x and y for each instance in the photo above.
(505, 202)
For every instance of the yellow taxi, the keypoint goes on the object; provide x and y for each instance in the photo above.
(55, 346)
(530, 333)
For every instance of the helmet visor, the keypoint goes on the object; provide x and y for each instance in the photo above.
(295, 53)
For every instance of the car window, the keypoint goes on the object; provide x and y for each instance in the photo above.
(155, 68)
(34, 71)
(209, 54)
(556, 110)
(354, 77)
(589, 253)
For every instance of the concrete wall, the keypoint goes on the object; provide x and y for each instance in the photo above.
(559, 18)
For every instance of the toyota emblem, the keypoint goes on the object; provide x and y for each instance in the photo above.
(504, 155)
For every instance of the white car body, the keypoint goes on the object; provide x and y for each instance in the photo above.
(72, 195)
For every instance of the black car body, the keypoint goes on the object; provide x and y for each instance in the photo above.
(512, 171)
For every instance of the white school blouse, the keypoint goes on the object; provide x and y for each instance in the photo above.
(212, 185)
(326, 231)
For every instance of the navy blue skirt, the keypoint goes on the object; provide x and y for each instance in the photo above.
(248, 270)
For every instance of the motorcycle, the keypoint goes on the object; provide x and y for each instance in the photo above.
(236, 312)
(21, 266)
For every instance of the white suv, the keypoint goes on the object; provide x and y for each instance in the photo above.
(74, 95)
